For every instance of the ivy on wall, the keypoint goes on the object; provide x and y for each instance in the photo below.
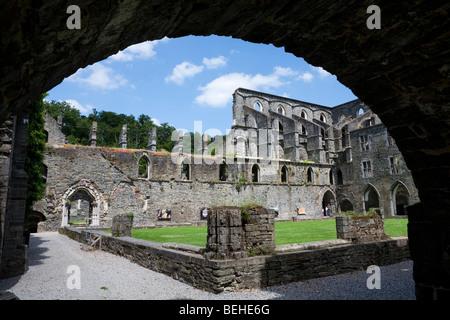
(34, 154)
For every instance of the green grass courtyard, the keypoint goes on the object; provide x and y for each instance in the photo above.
(285, 232)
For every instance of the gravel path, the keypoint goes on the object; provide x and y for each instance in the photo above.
(106, 276)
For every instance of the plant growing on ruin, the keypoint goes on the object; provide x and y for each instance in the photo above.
(240, 181)
(34, 155)
(245, 216)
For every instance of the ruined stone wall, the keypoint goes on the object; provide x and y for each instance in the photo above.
(110, 176)
(239, 232)
(360, 229)
(189, 265)
(53, 130)
(13, 189)
(382, 178)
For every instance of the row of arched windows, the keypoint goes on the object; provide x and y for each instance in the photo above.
(281, 110)
(144, 172)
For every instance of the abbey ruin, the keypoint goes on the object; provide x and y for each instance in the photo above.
(301, 159)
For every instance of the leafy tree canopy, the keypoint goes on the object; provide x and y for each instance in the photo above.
(77, 127)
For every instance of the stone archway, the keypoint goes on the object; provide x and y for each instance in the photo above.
(371, 198)
(400, 197)
(89, 203)
(400, 71)
(329, 203)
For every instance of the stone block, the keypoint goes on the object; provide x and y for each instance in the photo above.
(122, 225)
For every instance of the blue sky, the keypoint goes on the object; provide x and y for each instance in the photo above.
(189, 79)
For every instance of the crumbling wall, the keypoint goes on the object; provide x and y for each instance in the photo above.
(239, 232)
(361, 229)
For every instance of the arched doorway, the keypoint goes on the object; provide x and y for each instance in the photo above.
(80, 203)
(309, 175)
(400, 198)
(144, 167)
(340, 178)
(284, 174)
(328, 203)
(345, 205)
(33, 220)
(80, 207)
(223, 171)
(255, 173)
(371, 198)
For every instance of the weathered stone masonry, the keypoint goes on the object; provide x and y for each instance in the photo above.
(298, 157)
(188, 263)
(13, 189)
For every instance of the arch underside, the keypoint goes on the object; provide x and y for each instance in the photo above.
(400, 71)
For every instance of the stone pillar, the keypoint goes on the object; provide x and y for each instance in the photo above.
(239, 232)
(429, 245)
(122, 225)
(14, 250)
(177, 138)
(151, 145)
(93, 135)
(123, 137)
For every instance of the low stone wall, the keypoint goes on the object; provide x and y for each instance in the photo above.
(237, 232)
(360, 229)
(188, 264)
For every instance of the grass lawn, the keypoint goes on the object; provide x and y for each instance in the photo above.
(285, 232)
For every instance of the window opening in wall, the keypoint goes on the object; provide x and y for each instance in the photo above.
(246, 121)
(368, 123)
(343, 136)
(284, 174)
(400, 198)
(322, 118)
(186, 172)
(394, 165)
(364, 142)
(144, 167)
(280, 127)
(46, 135)
(223, 172)
(346, 205)
(331, 177)
(390, 141)
(303, 115)
(280, 110)
(309, 175)
(340, 179)
(303, 130)
(255, 173)
(367, 170)
(360, 111)
(257, 106)
(371, 199)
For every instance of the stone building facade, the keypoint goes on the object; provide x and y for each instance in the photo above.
(298, 158)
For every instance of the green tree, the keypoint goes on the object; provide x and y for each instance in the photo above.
(75, 127)
(34, 155)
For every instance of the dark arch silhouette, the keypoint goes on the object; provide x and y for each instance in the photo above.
(401, 71)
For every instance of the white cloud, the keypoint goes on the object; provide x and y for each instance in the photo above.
(156, 121)
(281, 71)
(99, 76)
(321, 71)
(83, 109)
(143, 51)
(215, 63)
(306, 77)
(182, 71)
(218, 93)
